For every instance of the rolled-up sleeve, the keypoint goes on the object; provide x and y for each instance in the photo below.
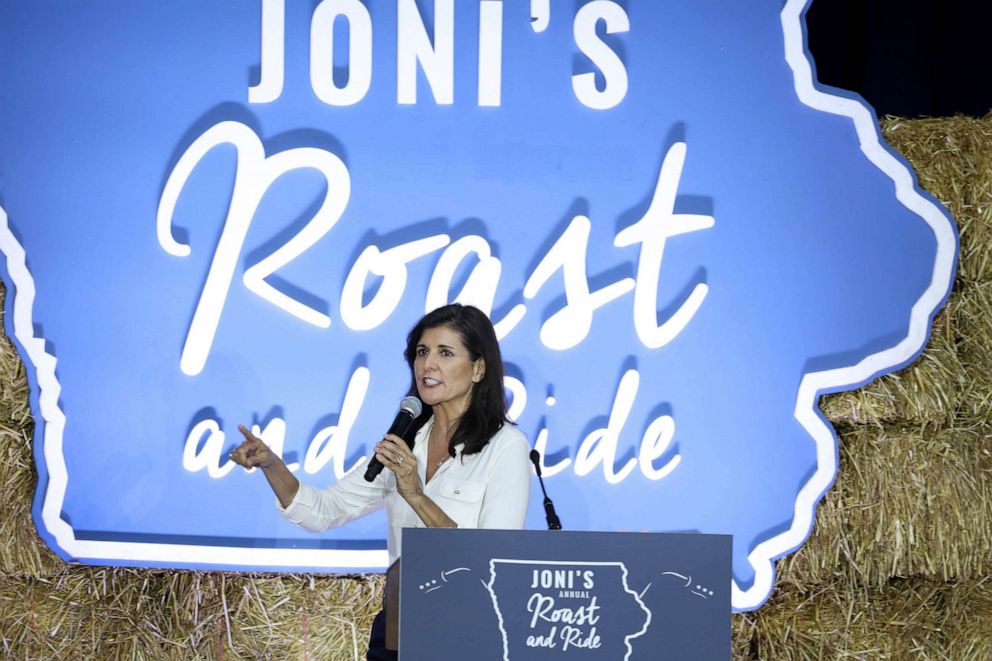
(348, 499)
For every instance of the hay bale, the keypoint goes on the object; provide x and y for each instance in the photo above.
(953, 159)
(974, 314)
(904, 619)
(743, 628)
(79, 614)
(87, 612)
(907, 502)
(971, 607)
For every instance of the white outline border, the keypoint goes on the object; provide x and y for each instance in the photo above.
(806, 411)
(761, 557)
(53, 420)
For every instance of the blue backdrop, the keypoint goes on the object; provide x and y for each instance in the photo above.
(215, 213)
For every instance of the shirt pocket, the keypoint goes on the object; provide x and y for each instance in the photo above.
(462, 502)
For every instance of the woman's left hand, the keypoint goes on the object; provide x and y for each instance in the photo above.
(394, 454)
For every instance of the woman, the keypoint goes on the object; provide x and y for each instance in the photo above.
(469, 467)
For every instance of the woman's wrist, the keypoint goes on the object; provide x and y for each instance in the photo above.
(415, 499)
(429, 512)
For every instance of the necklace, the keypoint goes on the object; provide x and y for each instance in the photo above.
(435, 433)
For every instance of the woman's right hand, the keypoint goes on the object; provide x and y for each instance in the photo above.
(253, 452)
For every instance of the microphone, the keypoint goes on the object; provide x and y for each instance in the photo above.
(549, 508)
(410, 408)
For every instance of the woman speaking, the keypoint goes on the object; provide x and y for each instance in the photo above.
(469, 466)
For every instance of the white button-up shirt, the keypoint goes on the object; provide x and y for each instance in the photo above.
(488, 489)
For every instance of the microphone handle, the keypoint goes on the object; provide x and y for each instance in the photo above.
(401, 425)
(554, 523)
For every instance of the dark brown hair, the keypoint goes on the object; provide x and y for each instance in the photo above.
(486, 412)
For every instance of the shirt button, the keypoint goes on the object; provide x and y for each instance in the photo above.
(457, 491)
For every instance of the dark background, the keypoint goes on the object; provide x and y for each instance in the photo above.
(911, 58)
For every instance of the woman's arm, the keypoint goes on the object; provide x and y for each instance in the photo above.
(429, 511)
(313, 509)
(394, 454)
(254, 453)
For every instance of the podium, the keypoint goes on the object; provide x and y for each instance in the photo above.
(521, 595)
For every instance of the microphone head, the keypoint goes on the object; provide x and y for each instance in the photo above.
(535, 458)
(412, 405)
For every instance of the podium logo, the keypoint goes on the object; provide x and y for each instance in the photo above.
(583, 608)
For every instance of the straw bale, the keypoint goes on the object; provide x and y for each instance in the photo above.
(913, 618)
(953, 159)
(87, 612)
(971, 605)
(743, 629)
(907, 502)
(974, 315)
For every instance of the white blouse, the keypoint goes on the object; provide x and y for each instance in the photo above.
(488, 489)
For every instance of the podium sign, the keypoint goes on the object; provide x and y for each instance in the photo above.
(521, 595)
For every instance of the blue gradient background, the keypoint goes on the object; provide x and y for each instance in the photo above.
(811, 264)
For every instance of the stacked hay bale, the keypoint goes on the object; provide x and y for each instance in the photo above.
(897, 566)
(899, 560)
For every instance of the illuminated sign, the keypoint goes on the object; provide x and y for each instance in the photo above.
(215, 213)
